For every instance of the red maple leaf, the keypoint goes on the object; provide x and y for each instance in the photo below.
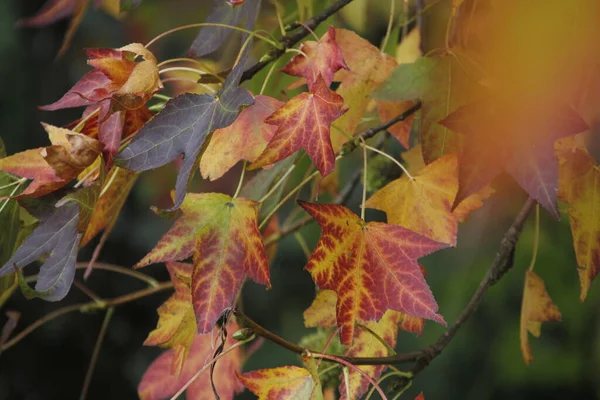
(304, 122)
(371, 266)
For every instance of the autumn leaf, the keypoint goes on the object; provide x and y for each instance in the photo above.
(522, 145)
(222, 236)
(304, 123)
(322, 58)
(368, 68)
(182, 128)
(58, 236)
(176, 320)
(245, 139)
(117, 90)
(420, 396)
(52, 167)
(159, 383)
(322, 310)
(537, 307)
(288, 382)
(423, 204)
(371, 266)
(579, 187)
(210, 38)
(414, 158)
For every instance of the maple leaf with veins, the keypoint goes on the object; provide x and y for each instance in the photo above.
(182, 128)
(371, 266)
(324, 58)
(222, 235)
(304, 122)
(159, 383)
(516, 138)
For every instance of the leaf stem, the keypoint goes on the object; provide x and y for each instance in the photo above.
(279, 183)
(383, 153)
(85, 119)
(96, 353)
(121, 270)
(286, 198)
(264, 85)
(364, 188)
(202, 24)
(388, 32)
(239, 186)
(82, 307)
(207, 365)
(536, 237)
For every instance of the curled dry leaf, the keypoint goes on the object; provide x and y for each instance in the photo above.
(52, 167)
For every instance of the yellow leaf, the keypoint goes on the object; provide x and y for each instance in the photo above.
(537, 307)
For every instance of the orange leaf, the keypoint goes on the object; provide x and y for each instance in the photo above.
(537, 307)
(222, 236)
(391, 109)
(54, 166)
(289, 382)
(245, 139)
(371, 266)
(324, 58)
(304, 123)
(423, 204)
(579, 187)
(159, 382)
(322, 310)
(368, 68)
(176, 321)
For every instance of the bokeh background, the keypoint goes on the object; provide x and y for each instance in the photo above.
(483, 361)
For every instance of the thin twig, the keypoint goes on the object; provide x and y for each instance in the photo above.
(96, 353)
(86, 307)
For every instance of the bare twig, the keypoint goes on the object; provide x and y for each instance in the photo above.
(96, 353)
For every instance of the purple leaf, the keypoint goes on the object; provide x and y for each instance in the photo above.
(211, 38)
(182, 127)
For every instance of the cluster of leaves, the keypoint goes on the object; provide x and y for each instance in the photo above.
(479, 115)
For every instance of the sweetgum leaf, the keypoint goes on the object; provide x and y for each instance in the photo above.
(211, 38)
(58, 237)
(371, 266)
(222, 235)
(304, 122)
(182, 128)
